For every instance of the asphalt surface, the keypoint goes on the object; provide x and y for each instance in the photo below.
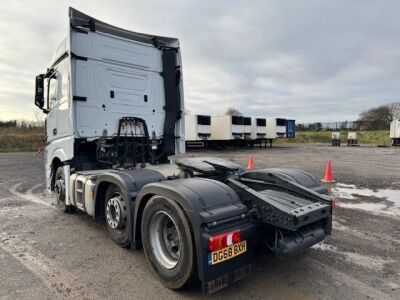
(47, 254)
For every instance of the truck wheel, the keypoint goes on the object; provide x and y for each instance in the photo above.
(116, 214)
(167, 242)
(59, 191)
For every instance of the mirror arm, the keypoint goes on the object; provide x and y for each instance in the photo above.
(49, 73)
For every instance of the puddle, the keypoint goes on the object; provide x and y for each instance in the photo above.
(371, 262)
(388, 201)
(392, 285)
(350, 191)
(324, 247)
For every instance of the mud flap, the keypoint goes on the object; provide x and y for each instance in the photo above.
(218, 276)
(225, 280)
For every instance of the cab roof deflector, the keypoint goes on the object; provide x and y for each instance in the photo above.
(79, 19)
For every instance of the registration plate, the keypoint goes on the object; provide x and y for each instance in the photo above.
(227, 253)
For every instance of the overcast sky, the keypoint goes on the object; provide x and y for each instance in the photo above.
(308, 60)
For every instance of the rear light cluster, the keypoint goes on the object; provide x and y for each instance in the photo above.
(223, 240)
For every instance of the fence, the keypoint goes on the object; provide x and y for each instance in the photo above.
(346, 125)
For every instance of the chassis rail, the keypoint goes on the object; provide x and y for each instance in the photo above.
(281, 203)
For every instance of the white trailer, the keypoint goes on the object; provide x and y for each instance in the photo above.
(395, 132)
(197, 127)
(276, 128)
(352, 138)
(247, 123)
(335, 140)
(258, 128)
(225, 128)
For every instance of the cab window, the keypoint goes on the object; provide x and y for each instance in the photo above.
(53, 91)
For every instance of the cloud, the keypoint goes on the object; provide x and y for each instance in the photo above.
(308, 60)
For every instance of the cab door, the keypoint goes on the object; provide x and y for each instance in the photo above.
(58, 119)
(52, 98)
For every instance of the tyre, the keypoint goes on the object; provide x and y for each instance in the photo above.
(116, 216)
(168, 242)
(59, 192)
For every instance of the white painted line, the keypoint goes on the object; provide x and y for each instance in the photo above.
(61, 282)
(29, 196)
(30, 191)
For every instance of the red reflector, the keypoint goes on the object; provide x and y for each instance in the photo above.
(333, 204)
(236, 237)
(224, 240)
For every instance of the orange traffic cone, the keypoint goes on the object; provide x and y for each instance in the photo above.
(250, 163)
(328, 173)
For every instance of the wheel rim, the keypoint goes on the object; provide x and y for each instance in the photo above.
(165, 239)
(115, 212)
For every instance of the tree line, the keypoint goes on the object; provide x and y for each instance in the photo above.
(36, 122)
(21, 124)
(374, 118)
(383, 114)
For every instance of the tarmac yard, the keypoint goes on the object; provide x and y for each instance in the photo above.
(47, 254)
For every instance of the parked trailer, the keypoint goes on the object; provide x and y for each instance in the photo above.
(242, 135)
(258, 128)
(229, 131)
(352, 139)
(247, 127)
(335, 140)
(113, 100)
(225, 128)
(395, 132)
(290, 128)
(197, 130)
(276, 128)
(259, 132)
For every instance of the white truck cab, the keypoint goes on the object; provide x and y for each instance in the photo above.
(100, 74)
(114, 103)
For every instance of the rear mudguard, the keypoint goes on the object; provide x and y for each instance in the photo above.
(211, 208)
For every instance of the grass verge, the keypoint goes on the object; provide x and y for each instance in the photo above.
(28, 139)
(21, 139)
(378, 137)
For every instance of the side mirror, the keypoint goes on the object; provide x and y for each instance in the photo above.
(39, 91)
